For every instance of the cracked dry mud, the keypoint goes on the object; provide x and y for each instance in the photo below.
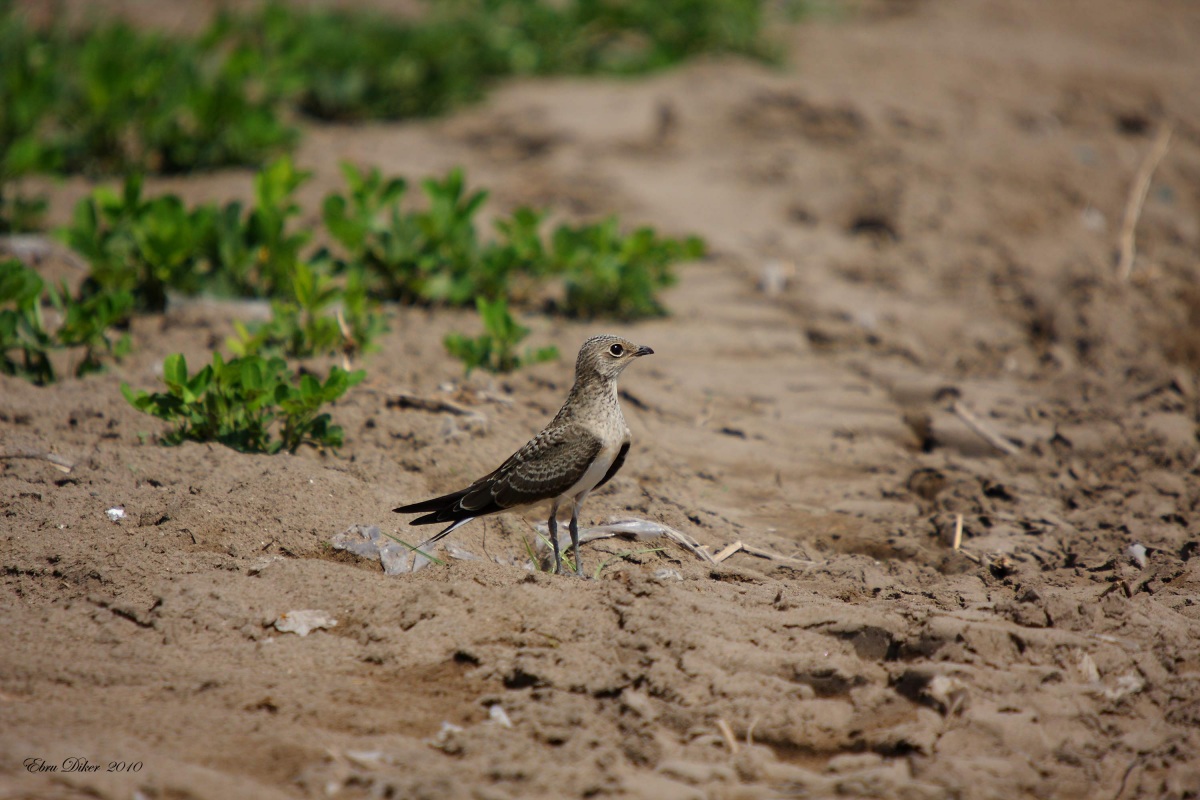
(942, 186)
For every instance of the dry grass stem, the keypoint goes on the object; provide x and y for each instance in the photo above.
(1137, 198)
(758, 552)
(971, 556)
(983, 429)
(687, 543)
(727, 734)
(347, 339)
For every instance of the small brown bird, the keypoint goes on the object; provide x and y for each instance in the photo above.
(579, 451)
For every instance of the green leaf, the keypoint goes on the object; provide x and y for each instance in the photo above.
(309, 387)
(130, 396)
(251, 373)
(175, 369)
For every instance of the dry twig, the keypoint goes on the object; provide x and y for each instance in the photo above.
(60, 463)
(726, 552)
(401, 399)
(741, 547)
(1137, 198)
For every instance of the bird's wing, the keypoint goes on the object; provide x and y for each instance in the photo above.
(548, 465)
(618, 462)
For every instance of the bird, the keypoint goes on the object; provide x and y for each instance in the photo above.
(579, 451)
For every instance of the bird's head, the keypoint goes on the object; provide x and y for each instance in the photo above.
(607, 356)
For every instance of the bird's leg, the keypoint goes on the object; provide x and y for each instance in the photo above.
(552, 524)
(575, 539)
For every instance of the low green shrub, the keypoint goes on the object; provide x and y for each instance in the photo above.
(114, 98)
(608, 274)
(255, 252)
(319, 318)
(250, 404)
(431, 255)
(24, 343)
(87, 324)
(141, 246)
(496, 349)
(152, 246)
(435, 255)
(348, 65)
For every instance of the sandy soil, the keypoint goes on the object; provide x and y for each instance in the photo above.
(943, 184)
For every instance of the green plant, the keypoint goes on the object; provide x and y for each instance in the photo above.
(26, 345)
(113, 98)
(140, 246)
(152, 246)
(340, 65)
(302, 325)
(353, 66)
(352, 220)
(496, 349)
(435, 255)
(255, 253)
(239, 403)
(88, 322)
(427, 256)
(517, 262)
(610, 275)
(359, 317)
(27, 91)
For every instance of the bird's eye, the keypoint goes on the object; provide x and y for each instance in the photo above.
(616, 350)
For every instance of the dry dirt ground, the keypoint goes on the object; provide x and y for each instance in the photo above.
(942, 185)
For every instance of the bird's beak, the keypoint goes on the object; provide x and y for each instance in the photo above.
(643, 351)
